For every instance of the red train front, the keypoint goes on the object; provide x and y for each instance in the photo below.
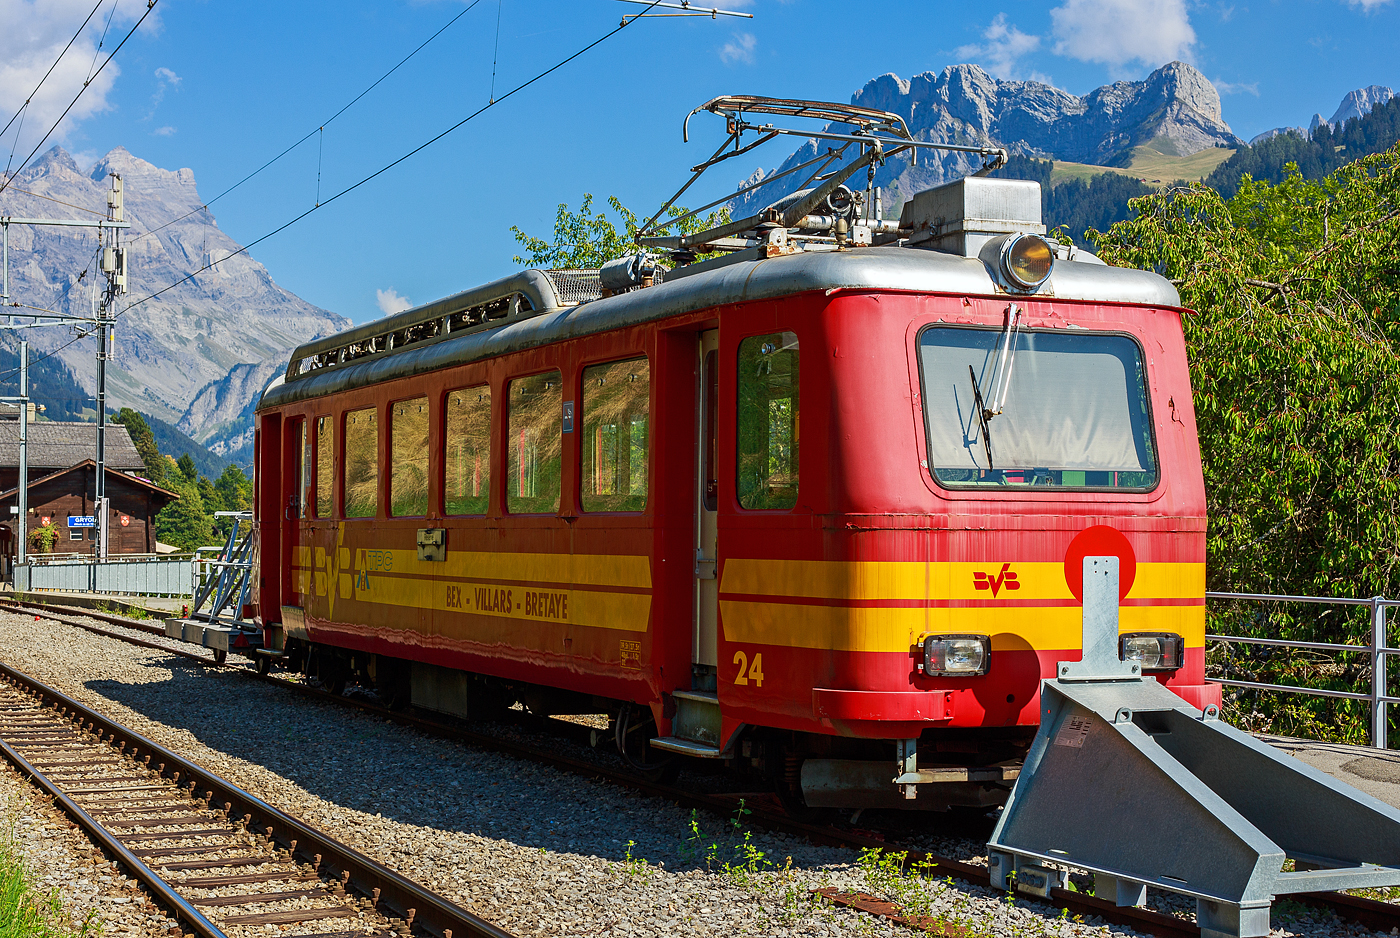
(814, 510)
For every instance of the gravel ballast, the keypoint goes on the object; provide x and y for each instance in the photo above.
(532, 849)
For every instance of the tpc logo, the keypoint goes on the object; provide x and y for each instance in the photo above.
(1003, 580)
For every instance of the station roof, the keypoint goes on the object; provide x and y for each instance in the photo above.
(136, 481)
(56, 445)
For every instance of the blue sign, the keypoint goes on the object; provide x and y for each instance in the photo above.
(82, 521)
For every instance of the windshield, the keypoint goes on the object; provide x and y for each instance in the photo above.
(1075, 411)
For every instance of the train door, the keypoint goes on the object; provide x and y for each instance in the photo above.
(705, 655)
(294, 502)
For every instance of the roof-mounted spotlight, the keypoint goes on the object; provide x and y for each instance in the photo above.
(1026, 260)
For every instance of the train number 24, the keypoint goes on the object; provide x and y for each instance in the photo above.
(749, 672)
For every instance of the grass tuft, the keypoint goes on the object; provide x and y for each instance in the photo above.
(24, 911)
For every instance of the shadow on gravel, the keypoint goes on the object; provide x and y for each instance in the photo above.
(355, 761)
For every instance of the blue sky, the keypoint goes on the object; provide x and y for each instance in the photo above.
(222, 87)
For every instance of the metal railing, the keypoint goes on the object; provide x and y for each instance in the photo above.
(1379, 697)
(149, 577)
(44, 560)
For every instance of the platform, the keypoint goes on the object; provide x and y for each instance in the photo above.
(113, 602)
(1374, 771)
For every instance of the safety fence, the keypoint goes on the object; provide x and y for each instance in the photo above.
(146, 575)
(1377, 649)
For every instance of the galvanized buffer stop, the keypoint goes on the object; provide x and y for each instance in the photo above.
(1128, 781)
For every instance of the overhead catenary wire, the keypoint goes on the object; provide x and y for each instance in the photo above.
(320, 128)
(95, 7)
(150, 5)
(40, 195)
(496, 51)
(346, 191)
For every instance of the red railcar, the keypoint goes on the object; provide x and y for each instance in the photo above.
(813, 510)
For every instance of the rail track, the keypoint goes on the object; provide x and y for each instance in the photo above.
(1381, 916)
(216, 857)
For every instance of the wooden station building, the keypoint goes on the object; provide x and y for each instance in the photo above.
(62, 484)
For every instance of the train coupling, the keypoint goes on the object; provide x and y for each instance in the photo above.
(1127, 781)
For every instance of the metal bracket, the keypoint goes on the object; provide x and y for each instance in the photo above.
(1100, 661)
(906, 764)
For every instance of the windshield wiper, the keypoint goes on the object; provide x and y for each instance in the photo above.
(1001, 382)
(983, 415)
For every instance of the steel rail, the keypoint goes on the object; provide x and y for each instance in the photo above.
(1354, 908)
(184, 911)
(429, 913)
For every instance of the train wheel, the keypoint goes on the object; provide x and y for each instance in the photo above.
(633, 731)
(220, 656)
(264, 665)
(325, 672)
(787, 785)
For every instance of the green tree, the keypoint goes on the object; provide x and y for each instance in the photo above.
(1292, 346)
(187, 468)
(235, 489)
(585, 241)
(210, 496)
(144, 441)
(183, 523)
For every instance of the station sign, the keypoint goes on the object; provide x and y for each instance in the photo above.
(82, 521)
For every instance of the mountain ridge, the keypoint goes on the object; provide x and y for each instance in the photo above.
(170, 349)
(1176, 108)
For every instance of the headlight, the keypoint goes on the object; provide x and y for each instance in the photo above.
(957, 655)
(1155, 651)
(1026, 260)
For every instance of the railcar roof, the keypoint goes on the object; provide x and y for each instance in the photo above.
(911, 269)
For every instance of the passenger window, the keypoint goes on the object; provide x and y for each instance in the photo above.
(325, 467)
(308, 466)
(768, 421)
(534, 444)
(408, 441)
(616, 404)
(468, 451)
(362, 463)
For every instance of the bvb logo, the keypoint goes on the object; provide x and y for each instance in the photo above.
(1005, 579)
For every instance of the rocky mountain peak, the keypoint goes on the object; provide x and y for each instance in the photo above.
(121, 161)
(55, 160)
(1360, 102)
(232, 318)
(1176, 109)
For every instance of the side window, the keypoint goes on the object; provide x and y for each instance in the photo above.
(768, 421)
(308, 466)
(361, 463)
(467, 461)
(616, 404)
(295, 483)
(534, 443)
(325, 467)
(408, 442)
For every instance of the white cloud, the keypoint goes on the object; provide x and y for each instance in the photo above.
(1367, 5)
(1004, 46)
(164, 131)
(1118, 33)
(37, 32)
(1236, 87)
(165, 78)
(739, 49)
(390, 302)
